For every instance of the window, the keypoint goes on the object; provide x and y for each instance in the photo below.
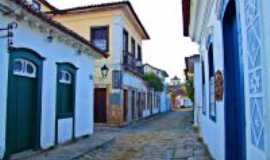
(25, 68)
(100, 37)
(212, 105)
(125, 42)
(65, 77)
(36, 5)
(133, 47)
(139, 52)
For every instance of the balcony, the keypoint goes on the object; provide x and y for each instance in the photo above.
(131, 63)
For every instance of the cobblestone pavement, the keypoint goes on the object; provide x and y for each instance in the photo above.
(166, 137)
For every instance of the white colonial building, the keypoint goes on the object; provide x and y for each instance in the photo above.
(158, 102)
(46, 71)
(234, 47)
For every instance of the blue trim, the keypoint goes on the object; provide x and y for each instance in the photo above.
(203, 89)
(235, 134)
(211, 70)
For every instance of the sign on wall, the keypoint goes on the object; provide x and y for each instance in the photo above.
(219, 86)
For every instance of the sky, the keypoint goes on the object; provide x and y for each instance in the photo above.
(162, 19)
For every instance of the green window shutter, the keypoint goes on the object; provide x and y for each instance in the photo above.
(66, 80)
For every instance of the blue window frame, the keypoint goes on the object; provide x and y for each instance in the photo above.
(36, 5)
(212, 103)
(203, 90)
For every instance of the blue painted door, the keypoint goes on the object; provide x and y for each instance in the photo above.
(234, 88)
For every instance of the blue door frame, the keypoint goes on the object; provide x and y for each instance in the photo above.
(235, 134)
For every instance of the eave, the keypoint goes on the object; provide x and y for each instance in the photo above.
(123, 5)
(46, 25)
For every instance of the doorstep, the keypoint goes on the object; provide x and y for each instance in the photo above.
(73, 150)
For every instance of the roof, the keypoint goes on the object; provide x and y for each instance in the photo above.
(57, 25)
(186, 16)
(190, 62)
(101, 6)
(161, 70)
(47, 4)
(175, 78)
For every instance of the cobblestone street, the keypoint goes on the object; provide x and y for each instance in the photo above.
(166, 137)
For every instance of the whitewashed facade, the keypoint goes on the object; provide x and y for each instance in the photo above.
(161, 100)
(208, 26)
(56, 47)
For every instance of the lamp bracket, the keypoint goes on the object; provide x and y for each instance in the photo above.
(9, 35)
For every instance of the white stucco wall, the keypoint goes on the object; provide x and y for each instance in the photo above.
(252, 151)
(65, 130)
(3, 81)
(210, 128)
(266, 41)
(197, 90)
(53, 52)
(146, 113)
(133, 81)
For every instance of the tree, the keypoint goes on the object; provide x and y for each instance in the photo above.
(154, 82)
(189, 85)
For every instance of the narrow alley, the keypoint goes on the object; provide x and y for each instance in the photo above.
(166, 137)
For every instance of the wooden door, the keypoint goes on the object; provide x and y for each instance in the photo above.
(133, 105)
(234, 88)
(125, 104)
(23, 102)
(100, 105)
(139, 105)
(66, 93)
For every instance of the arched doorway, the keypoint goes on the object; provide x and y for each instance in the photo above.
(24, 97)
(234, 88)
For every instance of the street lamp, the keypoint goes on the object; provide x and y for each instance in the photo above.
(104, 71)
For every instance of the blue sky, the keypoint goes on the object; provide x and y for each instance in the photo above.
(163, 20)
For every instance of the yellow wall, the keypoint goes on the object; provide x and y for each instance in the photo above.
(81, 23)
(132, 32)
(44, 8)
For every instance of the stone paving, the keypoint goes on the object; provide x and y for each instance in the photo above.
(166, 137)
(72, 150)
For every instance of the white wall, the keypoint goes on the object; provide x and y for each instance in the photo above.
(266, 41)
(53, 52)
(210, 128)
(133, 81)
(197, 90)
(3, 82)
(262, 14)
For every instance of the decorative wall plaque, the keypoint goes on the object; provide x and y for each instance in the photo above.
(219, 86)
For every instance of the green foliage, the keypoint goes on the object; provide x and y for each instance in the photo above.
(189, 85)
(154, 82)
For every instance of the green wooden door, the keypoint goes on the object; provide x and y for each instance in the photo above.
(22, 106)
(65, 94)
(66, 74)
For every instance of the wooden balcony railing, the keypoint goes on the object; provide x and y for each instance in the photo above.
(131, 63)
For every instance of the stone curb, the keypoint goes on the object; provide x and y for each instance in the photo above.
(106, 143)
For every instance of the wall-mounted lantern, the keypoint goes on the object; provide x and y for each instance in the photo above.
(104, 71)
